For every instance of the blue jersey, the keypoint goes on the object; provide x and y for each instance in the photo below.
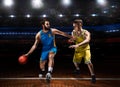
(48, 43)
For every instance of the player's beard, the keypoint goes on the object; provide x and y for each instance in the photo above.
(47, 28)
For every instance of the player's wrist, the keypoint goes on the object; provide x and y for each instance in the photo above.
(26, 54)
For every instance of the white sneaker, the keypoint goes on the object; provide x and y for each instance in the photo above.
(48, 77)
(40, 75)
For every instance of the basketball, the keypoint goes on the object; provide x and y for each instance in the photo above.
(22, 59)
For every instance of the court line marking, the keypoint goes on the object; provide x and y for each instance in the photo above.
(59, 78)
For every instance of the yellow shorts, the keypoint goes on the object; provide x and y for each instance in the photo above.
(83, 54)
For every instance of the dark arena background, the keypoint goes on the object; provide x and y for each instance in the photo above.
(20, 21)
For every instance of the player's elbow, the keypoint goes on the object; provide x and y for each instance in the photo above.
(87, 40)
(34, 47)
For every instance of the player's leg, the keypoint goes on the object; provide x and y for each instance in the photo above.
(50, 63)
(77, 69)
(43, 60)
(51, 56)
(50, 66)
(42, 68)
(90, 65)
(91, 69)
(77, 60)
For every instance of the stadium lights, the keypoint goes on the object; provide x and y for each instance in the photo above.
(76, 15)
(44, 15)
(105, 12)
(8, 3)
(94, 15)
(113, 6)
(12, 16)
(28, 15)
(66, 2)
(60, 15)
(110, 31)
(36, 3)
(102, 2)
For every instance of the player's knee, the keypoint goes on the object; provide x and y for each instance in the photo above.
(42, 63)
(51, 56)
(88, 62)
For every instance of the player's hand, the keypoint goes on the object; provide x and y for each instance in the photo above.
(26, 55)
(70, 41)
(73, 38)
(73, 46)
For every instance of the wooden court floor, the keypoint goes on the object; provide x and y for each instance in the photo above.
(59, 83)
(29, 78)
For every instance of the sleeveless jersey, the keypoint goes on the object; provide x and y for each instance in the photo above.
(78, 40)
(47, 40)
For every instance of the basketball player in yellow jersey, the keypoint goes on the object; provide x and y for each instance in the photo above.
(82, 48)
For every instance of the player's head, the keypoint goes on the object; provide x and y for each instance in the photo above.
(77, 23)
(45, 24)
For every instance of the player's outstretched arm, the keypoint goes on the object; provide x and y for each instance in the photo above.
(37, 40)
(56, 31)
(72, 40)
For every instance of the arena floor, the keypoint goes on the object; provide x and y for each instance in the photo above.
(106, 64)
(25, 76)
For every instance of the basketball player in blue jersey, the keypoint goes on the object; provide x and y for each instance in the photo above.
(47, 37)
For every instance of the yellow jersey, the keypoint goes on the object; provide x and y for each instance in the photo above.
(79, 39)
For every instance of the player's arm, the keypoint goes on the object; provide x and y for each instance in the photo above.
(72, 40)
(87, 40)
(37, 40)
(56, 31)
(72, 33)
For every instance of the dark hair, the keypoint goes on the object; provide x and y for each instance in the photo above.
(78, 21)
(43, 21)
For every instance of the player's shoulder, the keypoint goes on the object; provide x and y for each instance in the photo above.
(40, 31)
(73, 31)
(38, 34)
(53, 29)
(84, 30)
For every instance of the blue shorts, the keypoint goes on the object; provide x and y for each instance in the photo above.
(44, 54)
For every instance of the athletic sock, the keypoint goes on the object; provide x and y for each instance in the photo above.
(50, 69)
(77, 68)
(92, 74)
